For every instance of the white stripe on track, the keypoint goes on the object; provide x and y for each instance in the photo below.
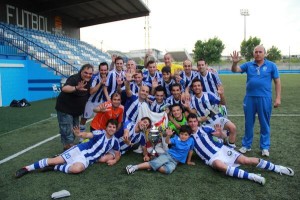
(31, 147)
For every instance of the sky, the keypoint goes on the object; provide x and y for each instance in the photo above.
(178, 24)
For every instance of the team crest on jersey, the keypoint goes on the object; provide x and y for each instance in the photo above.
(264, 68)
(229, 153)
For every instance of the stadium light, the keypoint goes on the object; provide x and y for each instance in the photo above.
(245, 13)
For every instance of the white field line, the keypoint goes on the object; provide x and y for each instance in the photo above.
(53, 137)
(31, 147)
(27, 149)
(26, 126)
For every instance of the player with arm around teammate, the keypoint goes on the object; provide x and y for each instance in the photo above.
(225, 159)
(102, 147)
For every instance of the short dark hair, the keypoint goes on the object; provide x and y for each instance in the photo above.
(166, 69)
(150, 62)
(185, 129)
(191, 116)
(86, 66)
(112, 121)
(195, 80)
(115, 94)
(175, 85)
(201, 59)
(138, 71)
(119, 58)
(103, 64)
(160, 88)
(174, 105)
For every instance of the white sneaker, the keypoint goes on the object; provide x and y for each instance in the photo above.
(259, 179)
(244, 150)
(265, 152)
(130, 169)
(285, 170)
(138, 150)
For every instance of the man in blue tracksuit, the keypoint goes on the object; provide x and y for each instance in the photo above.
(258, 99)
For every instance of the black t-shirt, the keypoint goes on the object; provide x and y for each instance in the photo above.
(73, 103)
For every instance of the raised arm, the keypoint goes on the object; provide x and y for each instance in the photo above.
(79, 87)
(235, 60)
(83, 135)
(127, 84)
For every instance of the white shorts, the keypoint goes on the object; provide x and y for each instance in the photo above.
(226, 155)
(88, 111)
(74, 155)
(221, 120)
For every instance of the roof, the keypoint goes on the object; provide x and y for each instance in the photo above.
(88, 12)
(180, 55)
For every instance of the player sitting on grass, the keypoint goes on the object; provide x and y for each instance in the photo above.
(180, 152)
(102, 147)
(226, 159)
(134, 135)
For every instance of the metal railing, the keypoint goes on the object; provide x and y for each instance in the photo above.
(10, 37)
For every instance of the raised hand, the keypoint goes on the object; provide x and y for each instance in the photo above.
(103, 108)
(76, 131)
(169, 132)
(103, 80)
(129, 76)
(120, 80)
(113, 58)
(154, 83)
(235, 57)
(81, 86)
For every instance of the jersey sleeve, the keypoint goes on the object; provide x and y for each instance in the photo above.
(116, 145)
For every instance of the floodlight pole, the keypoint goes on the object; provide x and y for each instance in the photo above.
(245, 13)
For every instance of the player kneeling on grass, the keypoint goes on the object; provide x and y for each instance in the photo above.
(225, 159)
(180, 152)
(102, 147)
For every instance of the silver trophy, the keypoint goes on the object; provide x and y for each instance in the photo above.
(154, 138)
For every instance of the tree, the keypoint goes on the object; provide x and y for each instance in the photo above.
(274, 54)
(247, 47)
(210, 50)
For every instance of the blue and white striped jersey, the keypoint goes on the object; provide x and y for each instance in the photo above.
(98, 96)
(170, 100)
(111, 81)
(134, 87)
(148, 79)
(187, 81)
(135, 138)
(98, 146)
(210, 82)
(131, 108)
(205, 144)
(207, 102)
(167, 86)
(155, 107)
